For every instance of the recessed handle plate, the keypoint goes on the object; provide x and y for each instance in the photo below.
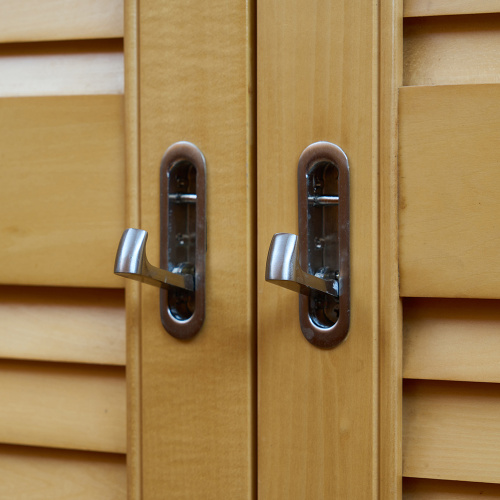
(183, 237)
(183, 243)
(316, 263)
(323, 193)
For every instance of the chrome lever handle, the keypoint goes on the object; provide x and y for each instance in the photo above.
(316, 262)
(131, 262)
(183, 243)
(283, 268)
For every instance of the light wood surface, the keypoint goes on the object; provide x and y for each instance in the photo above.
(452, 50)
(133, 288)
(38, 474)
(452, 339)
(63, 406)
(69, 68)
(62, 324)
(32, 20)
(414, 8)
(317, 420)
(62, 190)
(451, 430)
(390, 319)
(63, 211)
(197, 396)
(431, 489)
(449, 184)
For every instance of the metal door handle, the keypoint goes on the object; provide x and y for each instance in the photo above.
(181, 275)
(283, 268)
(131, 262)
(316, 263)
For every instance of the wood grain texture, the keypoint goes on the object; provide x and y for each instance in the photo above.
(62, 324)
(431, 489)
(62, 190)
(61, 68)
(317, 80)
(133, 288)
(452, 50)
(415, 8)
(38, 474)
(31, 20)
(197, 397)
(390, 315)
(449, 183)
(63, 406)
(452, 339)
(451, 430)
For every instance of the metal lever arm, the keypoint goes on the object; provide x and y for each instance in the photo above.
(131, 262)
(283, 268)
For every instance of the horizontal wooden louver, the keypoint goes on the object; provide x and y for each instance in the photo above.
(62, 190)
(33, 20)
(449, 184)
(63, 405)
(84, 67)
(451, 50)
(39, 474)
(414, 8)
(62, 324)
(451, 339)
(451, 430)
(432, 489)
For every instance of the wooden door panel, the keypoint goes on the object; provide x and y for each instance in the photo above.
(449, 184)
(317, 74)
(195, 84)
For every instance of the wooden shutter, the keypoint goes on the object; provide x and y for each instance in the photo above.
(449, 238)
(62, 312)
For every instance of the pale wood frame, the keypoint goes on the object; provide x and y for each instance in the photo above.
(390, 381)
(391, 343)
(193, 129)
(133, 289)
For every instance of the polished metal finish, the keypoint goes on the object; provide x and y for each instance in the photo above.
(183, 241)
(323, 200)
(181, 275)
(316, 264)
(183, 198)
(283, 268)
(131, 262)
(323, 173)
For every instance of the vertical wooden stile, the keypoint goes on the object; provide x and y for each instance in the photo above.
(391, 342)
(132, 288)
(195, 83)
(318, 409)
